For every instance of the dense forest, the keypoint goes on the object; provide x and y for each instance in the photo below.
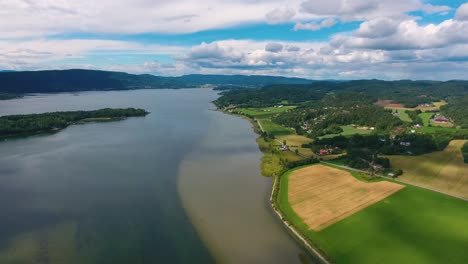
(269, 96)
(17, 125)
(457, 110)
(91, 80)
(408, 93)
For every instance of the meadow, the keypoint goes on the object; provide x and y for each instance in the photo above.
(274, 129)
(406, 227)
(442, 170)
(403, 115)
(266, 112)
(348, 131)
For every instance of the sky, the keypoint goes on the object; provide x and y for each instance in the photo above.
(332, 39)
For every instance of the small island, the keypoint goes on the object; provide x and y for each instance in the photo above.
(32, 124)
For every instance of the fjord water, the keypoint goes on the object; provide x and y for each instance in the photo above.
(180, 185)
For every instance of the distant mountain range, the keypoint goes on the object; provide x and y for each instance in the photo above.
(91, 80)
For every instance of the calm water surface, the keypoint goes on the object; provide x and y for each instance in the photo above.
(181, 185)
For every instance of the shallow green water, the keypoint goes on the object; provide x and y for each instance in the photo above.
(111, 192)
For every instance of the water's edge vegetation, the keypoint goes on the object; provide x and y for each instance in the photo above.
(14, 126)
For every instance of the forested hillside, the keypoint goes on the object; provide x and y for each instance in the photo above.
(90, 80)
(408, 93)
(457, 109)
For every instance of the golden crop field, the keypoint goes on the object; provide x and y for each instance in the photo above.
(442, 170)
(321, 195)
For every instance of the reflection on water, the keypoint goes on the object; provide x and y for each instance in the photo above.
(108, 192)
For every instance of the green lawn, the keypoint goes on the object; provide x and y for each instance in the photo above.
(412, 226)
(426, 117)
(403, 115)
(274, 129)
(348, 131)
(264, 112)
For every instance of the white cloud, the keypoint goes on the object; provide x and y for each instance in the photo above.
(462, 12)
(326, 23)
(349, 10)
(280, 15)
(407, 34)
(274, 47)
(27, 18)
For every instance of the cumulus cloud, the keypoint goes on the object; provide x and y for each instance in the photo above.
(348, 10)
(26, 18)
(407, 34)
(326, 23)
(274, 47)
(280, 15)
(462, 12)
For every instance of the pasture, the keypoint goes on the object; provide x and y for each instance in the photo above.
(442, 170)
(274, 129)
(403, 115)
(266, 112)
(426, 118)
(413, 225)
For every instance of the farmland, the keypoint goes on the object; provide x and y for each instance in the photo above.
(322, 195)
(442, 170)
(266, 112)
(390, 231)
(274, 129)
(403, 115)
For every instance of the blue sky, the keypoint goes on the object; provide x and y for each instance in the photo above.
(334, 39)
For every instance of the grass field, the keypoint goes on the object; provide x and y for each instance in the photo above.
(426, 117)
(266, 112)
(411, 226)
(348, 131)
(442, 170)
(403, 115)
(274, 129)
(321, 195)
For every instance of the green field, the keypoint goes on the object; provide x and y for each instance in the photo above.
(275, 129)
(426, 117)
(264, 112)
(348, 131)
(403, 115)
(413, 225)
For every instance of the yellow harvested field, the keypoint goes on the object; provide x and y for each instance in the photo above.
(295, 140)
(442, 170)
(321, 195)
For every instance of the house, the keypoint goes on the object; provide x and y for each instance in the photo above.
(441, 120)
(323, 152)
(284, 147)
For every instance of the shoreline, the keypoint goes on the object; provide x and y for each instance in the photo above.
(296, 235)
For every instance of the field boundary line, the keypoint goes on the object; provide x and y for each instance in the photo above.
(396, 180)
(292, 229)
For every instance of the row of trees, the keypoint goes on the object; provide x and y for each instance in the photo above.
(465, 152)
(35, 123)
